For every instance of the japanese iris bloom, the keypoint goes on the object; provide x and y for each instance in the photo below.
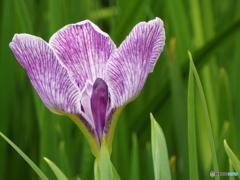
(82, 74)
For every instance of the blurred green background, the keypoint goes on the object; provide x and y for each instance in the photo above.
(209, 29)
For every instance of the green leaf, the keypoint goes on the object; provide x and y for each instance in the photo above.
(134, 172)
(96, 171)
(205, 109)
(173, 163)
(201, 57)
(115, 174)
(231, 170)
(23, 16)
(106, 172)
(177, 7)
(192, 145)
(179, 104)
(27, 159)
(159, 152)
(56, 170)
(235, 161)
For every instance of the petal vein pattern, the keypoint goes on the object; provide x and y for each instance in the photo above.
(84, 50)
(129, 65)
(80, 72)
(48, 77)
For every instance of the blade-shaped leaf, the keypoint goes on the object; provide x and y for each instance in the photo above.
(135, 172)
(106, 172)
(115, 174)
(26, 158)
(235, 161)
(159, 152)
(173, 163)
(206, 115)
(192, 145)
(231, 170)
(96, 171)
(56, 170)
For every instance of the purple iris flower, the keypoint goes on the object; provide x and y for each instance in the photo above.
(82, 74)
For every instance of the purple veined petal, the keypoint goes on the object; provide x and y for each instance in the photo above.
(129, 66)
(84, 50)
(48, 77)
(86, 102)
(99, 104)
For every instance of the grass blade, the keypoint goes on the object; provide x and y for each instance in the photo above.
(235, 161)
(192, 145)
(56, 170)
(179, 103)
(176, 9)
(115, 173)
(206, 115)
(96, 171)
(172, 163)
(106, 172)
(135, 172)
(159, 152)
(201, 57)
(7, 82)
(231, 170)
(23, 16)
(24, 156)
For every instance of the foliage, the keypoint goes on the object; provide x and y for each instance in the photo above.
(209, 29)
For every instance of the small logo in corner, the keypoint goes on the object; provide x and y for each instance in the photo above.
(212, 173)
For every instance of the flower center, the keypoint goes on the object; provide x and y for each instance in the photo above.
(99, 103)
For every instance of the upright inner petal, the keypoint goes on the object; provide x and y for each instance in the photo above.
(99, 104)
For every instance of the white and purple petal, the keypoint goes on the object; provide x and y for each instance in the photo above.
(129, 65)
(80, 72)
(84, 50)
(48, 77)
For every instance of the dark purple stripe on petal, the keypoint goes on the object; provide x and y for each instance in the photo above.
(84, 50)
(108, 120)
(129, 66)
(99, 103)
(48, 77)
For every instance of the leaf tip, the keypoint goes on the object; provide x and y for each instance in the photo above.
(151, 115)
(225, 143)
(46, 159)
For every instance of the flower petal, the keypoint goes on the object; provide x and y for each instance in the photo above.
(48, 77)
(84, 50)
(99, 103)
(129, 66)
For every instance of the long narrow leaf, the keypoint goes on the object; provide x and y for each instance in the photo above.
(192, 145)
(201, 57)
(96, 171)
(231, 170)
(179, 104)
(24, 156)
(159, 152)
(56, 170)
(172, 163)
(235, 161)
(106, 172)
(205, 109)
(115, 174)
(135, 173)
